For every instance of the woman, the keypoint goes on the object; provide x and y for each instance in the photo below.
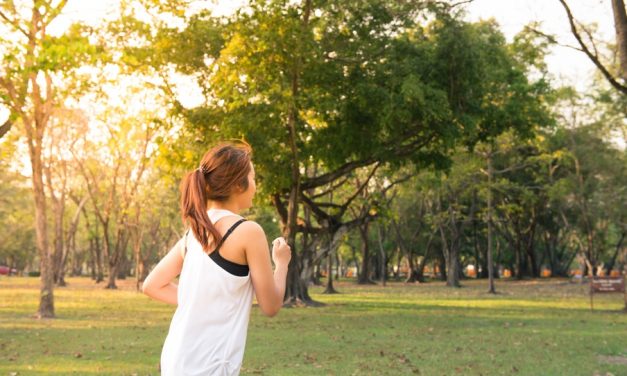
(222, 259)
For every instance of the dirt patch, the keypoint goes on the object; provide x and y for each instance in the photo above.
(616, 359)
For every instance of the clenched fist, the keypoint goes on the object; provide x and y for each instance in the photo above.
(281, 252)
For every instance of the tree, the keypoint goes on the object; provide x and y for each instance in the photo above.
(66, 126)
(342, 87)
(113, 176)
(32, 64)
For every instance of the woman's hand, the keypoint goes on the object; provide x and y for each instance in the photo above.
(281, 252)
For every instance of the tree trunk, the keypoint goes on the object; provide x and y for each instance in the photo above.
(490, 263)
(620, 24)
(442, 266)
(451, 257)
(46, 296)
(619, 246)
(453, 268)
(99, 258)
(57, 258)
(354, 253)
(412, 274)
(92, 261)
(113, 271)
(518, 260)
(70, 241)
(339, 266)
(329, 289)
(106, 243)
(364, 276)
(137, 250)
(384, 261)
(296, 289)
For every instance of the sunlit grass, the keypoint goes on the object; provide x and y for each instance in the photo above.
(530, 328)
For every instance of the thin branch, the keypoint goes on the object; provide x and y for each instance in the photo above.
(334, 175)
(573, 27)
(360, 189)
(14, 23)
(551, 39)
(52, 13)
(331, 189)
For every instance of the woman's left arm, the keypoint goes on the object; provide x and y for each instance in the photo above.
(158, 285)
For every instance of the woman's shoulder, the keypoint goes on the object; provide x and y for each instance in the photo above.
(251, 227)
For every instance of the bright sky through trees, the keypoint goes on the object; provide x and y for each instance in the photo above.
(568, 66)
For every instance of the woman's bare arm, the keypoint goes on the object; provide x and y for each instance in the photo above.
(158, 285)
(269, 287)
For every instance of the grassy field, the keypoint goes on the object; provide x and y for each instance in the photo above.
(542, 327)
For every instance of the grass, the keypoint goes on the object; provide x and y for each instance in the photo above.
(540, 327)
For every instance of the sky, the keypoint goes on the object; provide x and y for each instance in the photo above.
(569, 67)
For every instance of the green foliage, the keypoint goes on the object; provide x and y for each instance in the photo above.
(360, 91)
(68, 51)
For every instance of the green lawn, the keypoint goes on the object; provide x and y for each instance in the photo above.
(540, 327)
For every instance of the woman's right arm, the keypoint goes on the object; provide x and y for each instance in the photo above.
(269, 287)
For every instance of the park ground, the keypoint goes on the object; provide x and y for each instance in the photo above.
(532, 327)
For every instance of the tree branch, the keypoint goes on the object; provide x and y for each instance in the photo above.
(4, 128)
(573, 27)
(14, 23)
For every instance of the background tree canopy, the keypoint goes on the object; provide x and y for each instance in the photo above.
(392, 139)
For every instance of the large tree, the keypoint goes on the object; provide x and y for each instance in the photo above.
(343, 87)
(33, 67)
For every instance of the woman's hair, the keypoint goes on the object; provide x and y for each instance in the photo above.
(223, 168)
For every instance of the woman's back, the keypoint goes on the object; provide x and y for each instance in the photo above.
(207, 335)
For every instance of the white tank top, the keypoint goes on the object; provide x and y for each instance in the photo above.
(207, 335)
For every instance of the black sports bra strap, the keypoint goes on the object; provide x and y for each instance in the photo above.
(185, 243)
(228, 232)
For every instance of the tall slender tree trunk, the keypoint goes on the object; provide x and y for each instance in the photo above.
(518, 260)
(92, 261)
(490, 264)
(57, 258)
(296, 289)
(137, 252)
(441, 264)
(35, 125)
(46, 295)
(330, 289)
(384, 261)
(364, 276)
(70, 240)
(354, 253)
(620, 25)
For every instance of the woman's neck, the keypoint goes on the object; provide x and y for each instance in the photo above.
(226, 205)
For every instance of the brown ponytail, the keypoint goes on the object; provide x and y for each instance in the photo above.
(222, 169)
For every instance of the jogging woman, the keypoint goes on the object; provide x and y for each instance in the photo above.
(222, 260)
